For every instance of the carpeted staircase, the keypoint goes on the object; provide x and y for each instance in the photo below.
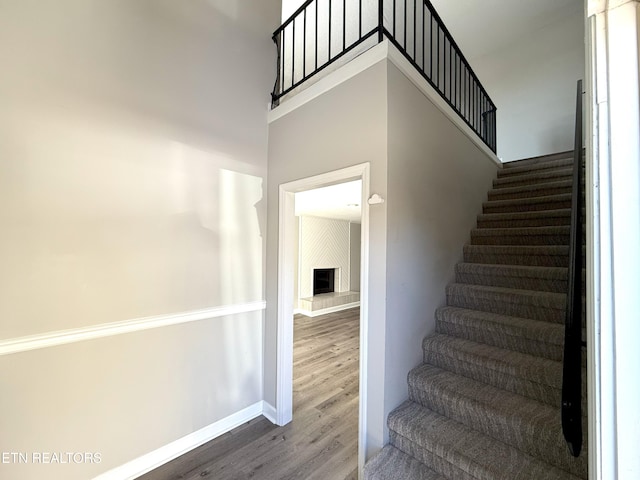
(485, 404)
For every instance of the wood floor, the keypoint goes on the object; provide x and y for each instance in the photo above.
(322, 440)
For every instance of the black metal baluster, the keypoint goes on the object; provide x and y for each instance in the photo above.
(444, 65)
(477, 111)
(468, 96)
(438, 55)
(477, 93)
(447, 65)
(404, 29)
(293, 53)
(430, 46)
(473, 104)
(450, 70)
(474, 109)
(394, 17)
(415, 6)
(304, 45)
(431, 43)
(483, 122)
(470, 87)
(455, 82)
(344, 24)
(359, 19)
(329, 52)
(380, 20)
(281, 59)
(456, 78)
(280, 64)
(484, 125)
(423, 29)
(284, 56)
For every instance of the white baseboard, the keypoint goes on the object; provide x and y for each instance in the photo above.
(269, 412)
(162, 455)
(324, 311)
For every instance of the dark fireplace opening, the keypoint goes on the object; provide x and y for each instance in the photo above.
(323, 280)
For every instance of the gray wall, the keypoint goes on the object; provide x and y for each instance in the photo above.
(437, 181)
(131, 185)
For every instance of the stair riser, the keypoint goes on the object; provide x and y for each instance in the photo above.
(536, 169)
(499, 424)
(391, 463)
(434, 461)
(486, 238)
(507, 306)
(547, 394)
(524, 222)
(503, 194)
(500, 339)
(533, 178)
(507, 281)
(524, 260)
(541, 160)
(524, 206)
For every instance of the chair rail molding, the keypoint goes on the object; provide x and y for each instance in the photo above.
(80, 334)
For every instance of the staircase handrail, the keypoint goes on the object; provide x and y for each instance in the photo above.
(572, 361)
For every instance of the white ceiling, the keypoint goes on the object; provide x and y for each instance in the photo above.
(484, 26)
(341, 201)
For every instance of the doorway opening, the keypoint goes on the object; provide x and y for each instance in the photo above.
(292, 288)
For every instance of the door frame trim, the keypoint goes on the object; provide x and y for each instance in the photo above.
(286, 263)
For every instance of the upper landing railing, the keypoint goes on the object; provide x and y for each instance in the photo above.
(321, 32)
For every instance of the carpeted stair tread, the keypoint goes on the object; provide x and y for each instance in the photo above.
(511, 169)
(530, 426)
(539, 160)
(461, 453)
(531, 178)
(548, 279)
(553, 235)
(546, 306)
(527, 375)
(544, 202)
(522, 335)
(527, 191)
(536, 255)
(537, 218)
(393, 464)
